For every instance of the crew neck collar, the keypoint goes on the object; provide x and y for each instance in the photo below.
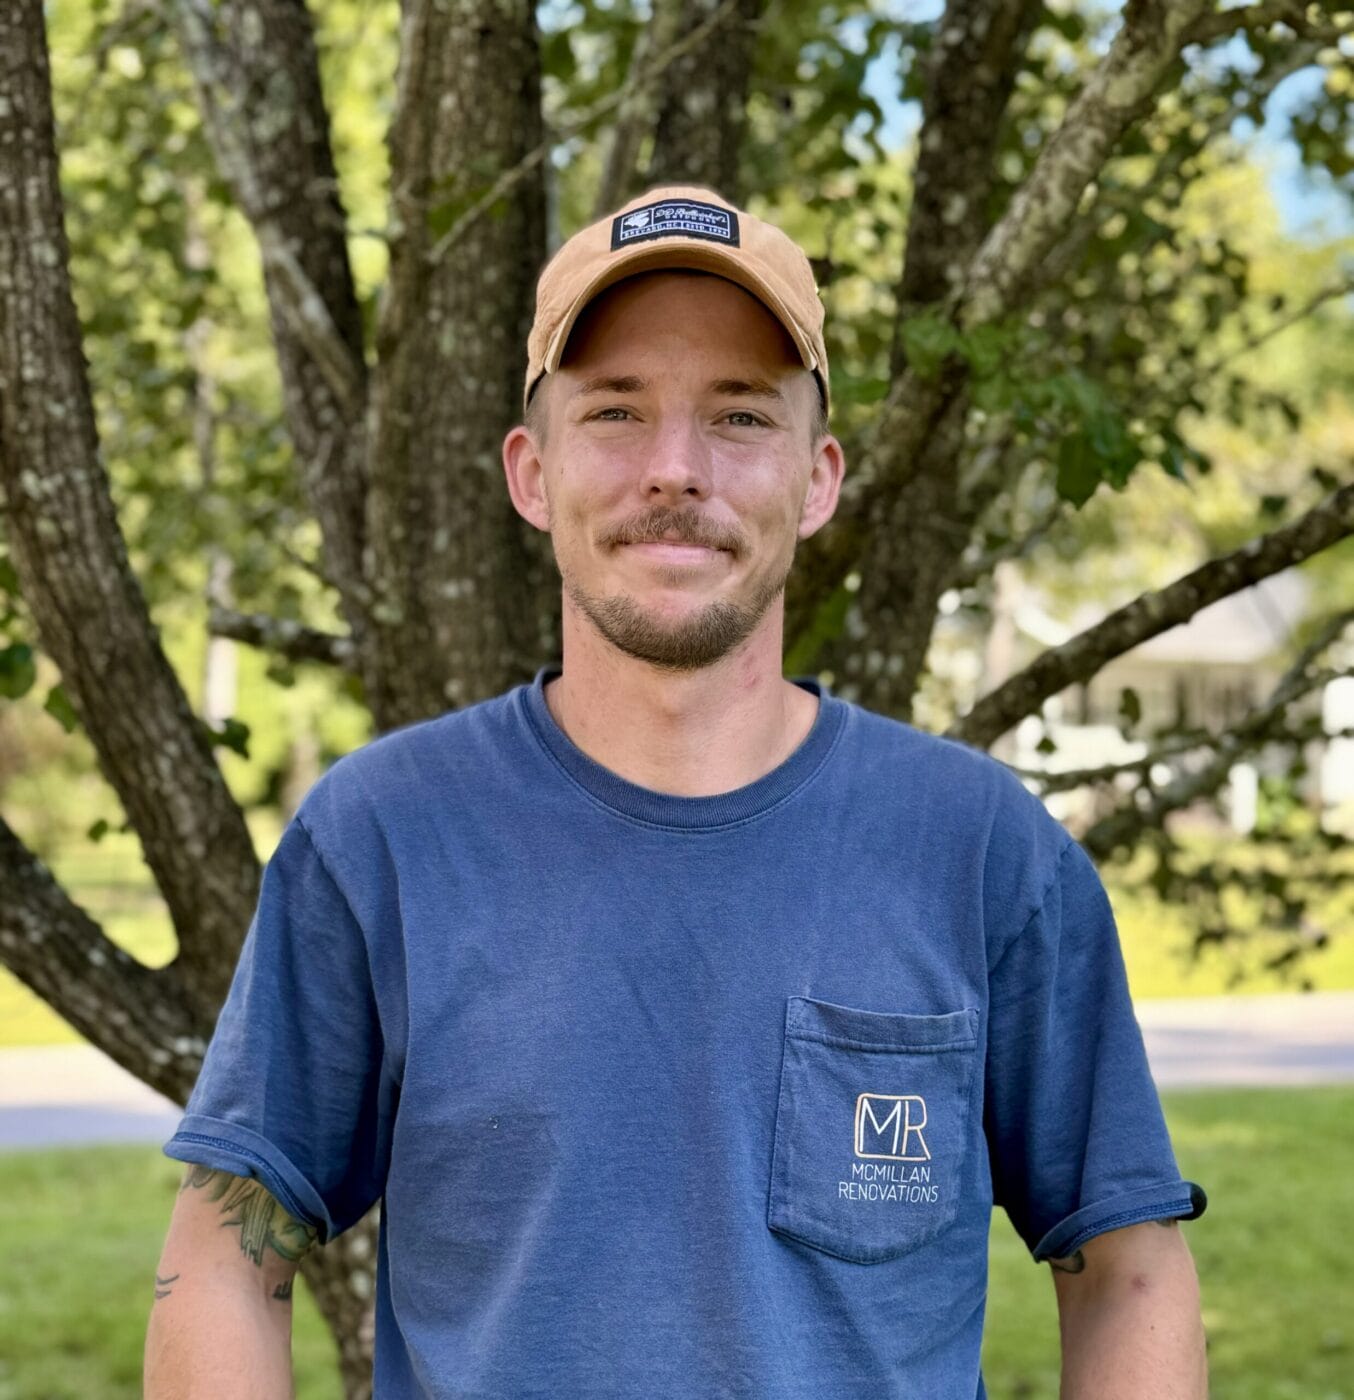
(667, 809)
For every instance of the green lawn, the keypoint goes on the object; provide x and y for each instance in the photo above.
(1271, 1252)
(82, 1232)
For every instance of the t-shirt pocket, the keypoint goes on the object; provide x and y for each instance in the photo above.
(872, 1127)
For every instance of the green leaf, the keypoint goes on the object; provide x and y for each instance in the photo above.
(1077, 474)
(927, 341)
(233, 735)
(99, 829)
(17, 671)
(58, 705)
(986, 348)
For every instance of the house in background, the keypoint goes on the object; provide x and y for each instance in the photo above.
(1207, 673)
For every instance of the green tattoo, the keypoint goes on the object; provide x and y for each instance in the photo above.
(163, 1286)
(1074, 1264)
(263, 1224)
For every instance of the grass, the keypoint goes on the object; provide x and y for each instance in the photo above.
(1271, 1254)
(83, 1231)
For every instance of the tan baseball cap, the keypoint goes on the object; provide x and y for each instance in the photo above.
(677, 226)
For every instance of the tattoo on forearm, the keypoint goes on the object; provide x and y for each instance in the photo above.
(283, 1291)
(163, 1286)
(1075, 1263)
(245, 1203)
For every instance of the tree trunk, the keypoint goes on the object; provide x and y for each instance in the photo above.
(464, 591)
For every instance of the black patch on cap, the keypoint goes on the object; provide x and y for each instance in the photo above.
(689, 218)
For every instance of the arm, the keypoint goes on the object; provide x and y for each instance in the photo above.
(1128, 1313)
(220, 1323)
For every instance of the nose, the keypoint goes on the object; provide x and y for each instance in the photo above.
(679, 464)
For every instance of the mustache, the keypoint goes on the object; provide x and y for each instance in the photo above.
(682, 526)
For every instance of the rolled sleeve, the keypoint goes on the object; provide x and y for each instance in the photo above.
(1076, 1137)
(293, 1089)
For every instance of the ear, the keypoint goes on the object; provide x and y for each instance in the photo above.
(825, 484)
(524, 470)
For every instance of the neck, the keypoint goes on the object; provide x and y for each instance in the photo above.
(688, 733)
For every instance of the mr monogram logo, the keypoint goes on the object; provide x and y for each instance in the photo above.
(905, 1114)
(888, 1129)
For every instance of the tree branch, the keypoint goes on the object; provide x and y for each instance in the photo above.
(1121, 829)
(256, 74)
(975, 56)
(72, 561)
(972, 568)
(1053, 780)
(1115, 95)
(508, 181)
(138, 1015)
(1282, 323)
(1154, 613)
(698, 130)
(291, 640)
(637, 110)
(1259, 720)
(308, 317)
(1293, 13)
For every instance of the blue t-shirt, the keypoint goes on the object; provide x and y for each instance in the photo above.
(691, 1097)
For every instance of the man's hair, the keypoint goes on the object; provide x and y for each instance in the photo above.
(536, 418)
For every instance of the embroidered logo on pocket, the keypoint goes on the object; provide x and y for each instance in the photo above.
(892, 1122)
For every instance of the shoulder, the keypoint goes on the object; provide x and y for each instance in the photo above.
(400, 772)
(948, 773)
(969, 802)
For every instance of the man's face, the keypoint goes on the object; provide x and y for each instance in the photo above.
(681, 410)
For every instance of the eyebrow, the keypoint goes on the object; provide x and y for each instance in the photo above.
(633, 384)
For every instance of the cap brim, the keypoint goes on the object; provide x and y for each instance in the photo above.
(676, 254)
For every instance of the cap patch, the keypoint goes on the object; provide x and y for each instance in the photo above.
(687, 217)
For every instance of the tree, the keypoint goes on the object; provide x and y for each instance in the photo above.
(1026, 311)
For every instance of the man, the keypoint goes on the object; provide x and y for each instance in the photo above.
(687, 1020)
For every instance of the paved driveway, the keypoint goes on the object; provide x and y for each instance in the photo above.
(1269, 1040)
(73, 1094)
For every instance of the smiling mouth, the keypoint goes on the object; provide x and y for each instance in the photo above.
(676, 551)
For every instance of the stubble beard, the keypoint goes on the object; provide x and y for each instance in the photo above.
(697, 641)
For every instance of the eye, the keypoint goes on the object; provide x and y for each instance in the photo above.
(752, 420)
(602, 412)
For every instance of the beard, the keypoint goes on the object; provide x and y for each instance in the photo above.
(694, 642)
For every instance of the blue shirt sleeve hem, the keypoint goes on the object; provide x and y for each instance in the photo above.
(231, 1147)
(1179, 1200)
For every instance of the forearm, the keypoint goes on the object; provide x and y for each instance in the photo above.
(1130, 1319)
(211, 1339)
(220, 1325)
